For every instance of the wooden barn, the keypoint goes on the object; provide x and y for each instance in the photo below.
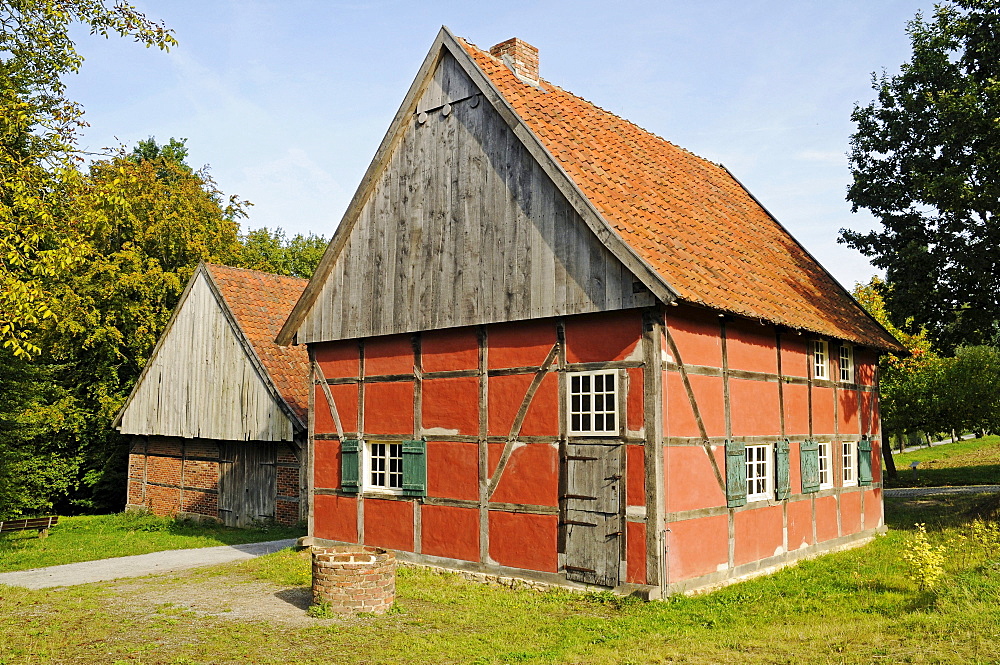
(218, 417)
(551, 345)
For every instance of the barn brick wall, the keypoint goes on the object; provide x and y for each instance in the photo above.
(170, 475)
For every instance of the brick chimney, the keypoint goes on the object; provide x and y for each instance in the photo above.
(520, 56)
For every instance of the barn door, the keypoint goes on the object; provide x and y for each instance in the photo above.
(592, 516)
(247, 482)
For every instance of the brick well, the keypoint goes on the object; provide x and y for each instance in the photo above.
(354, 579)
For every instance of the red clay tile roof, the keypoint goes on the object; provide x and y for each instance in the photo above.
(685, 216)
(261, 302)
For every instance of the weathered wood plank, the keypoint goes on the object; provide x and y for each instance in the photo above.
(463, 227)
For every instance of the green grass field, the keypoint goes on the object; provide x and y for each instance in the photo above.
(850, 607)
(972, 462)
(91, 537)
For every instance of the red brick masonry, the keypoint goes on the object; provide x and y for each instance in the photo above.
(354, 579)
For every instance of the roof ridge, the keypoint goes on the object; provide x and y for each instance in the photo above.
(603, 110)
(253, 270)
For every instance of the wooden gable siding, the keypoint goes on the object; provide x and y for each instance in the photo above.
(201, 384)
(463, 227)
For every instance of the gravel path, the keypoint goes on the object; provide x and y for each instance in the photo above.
(86, 572)
(930, 491)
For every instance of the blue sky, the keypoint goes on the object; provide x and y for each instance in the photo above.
(288, 100)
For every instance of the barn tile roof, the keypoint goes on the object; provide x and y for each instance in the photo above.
(260, 302)
(690, 219)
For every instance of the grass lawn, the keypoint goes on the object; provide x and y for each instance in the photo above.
(971, 462)
(91, 537)
(850, 607)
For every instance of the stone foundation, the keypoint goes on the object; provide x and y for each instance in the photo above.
(353, 578)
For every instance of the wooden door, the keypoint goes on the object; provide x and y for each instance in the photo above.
(247, 482)
(593, 522)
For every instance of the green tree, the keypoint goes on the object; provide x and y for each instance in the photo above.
(971, 392)
(924, 160)
(38, 126)
(272, 251)
(149, 219)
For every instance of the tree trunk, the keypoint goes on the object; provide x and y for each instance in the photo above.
(890, 464)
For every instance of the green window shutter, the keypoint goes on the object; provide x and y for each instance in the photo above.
(415, 468)
(865, 461)
(350, 464)
(782, 484)
(809, 465)
(736, 474)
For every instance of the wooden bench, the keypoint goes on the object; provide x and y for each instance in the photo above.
(40, 524)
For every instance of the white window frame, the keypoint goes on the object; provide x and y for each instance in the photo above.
(760, 472)
(820, 359)
(849, 463)
(591, 397)
(825, 465)
(386, 487)
(847, 363)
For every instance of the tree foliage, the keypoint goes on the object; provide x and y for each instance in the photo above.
(38, 126)
(924, 161)
(272, 251)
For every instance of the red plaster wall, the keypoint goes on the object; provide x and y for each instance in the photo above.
(826, 518)
(389, 408)
(326, 464)
(754, 408)
(602, 337)
(531, 475)
(794, 355)
(389, 524)
(451, 404)
(678, 415)
(443, 350)
(873, 508)
(520, 344)
(453, 470)
(635, 476)
(336, 517)
(524, 541)
(634, 400)
(635, 552)
(450, 532)
(696, 334)
(758, 534)
(690, 480)
(848, 413)
(392, 354)
(698, 547)
(338, 359)
(865, 362)
(750, 347)
(799, 524)
(850, 512)
(506, 393)
(822, 410)
(796, 399)
(346, 398)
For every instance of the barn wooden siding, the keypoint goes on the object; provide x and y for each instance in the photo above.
(201, 383)
(464, 227)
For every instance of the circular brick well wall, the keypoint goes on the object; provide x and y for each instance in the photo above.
(354, 579)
